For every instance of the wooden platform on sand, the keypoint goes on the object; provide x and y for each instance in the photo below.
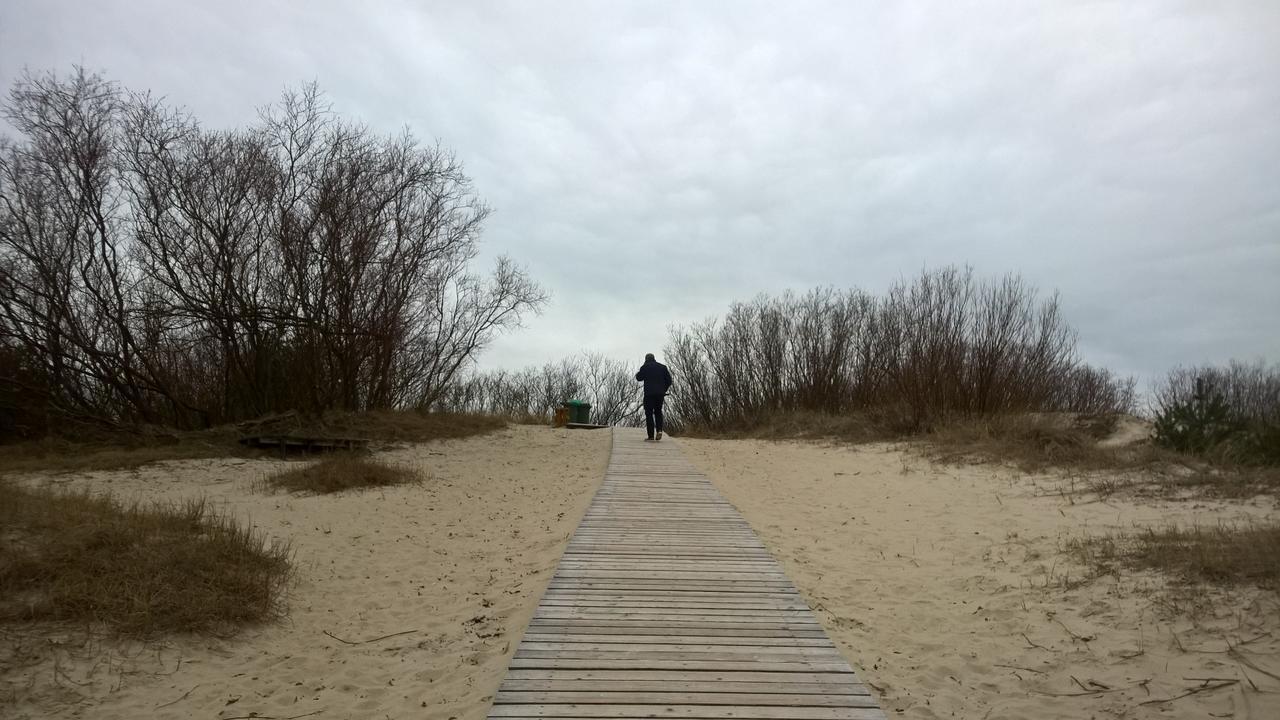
(304, 444)
(666, 604)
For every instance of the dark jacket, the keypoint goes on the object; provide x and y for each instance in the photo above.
(656, 378)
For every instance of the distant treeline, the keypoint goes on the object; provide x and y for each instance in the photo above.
(156, 271)
(533, 393)
(940, 347)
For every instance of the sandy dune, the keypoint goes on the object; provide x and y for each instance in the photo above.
(948, 589)
(460, 560)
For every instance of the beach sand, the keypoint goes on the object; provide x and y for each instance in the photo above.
(456, 563)
(949, 590)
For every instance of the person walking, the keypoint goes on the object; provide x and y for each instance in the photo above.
(657, 381)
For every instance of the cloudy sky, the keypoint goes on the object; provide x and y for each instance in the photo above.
(651, 162)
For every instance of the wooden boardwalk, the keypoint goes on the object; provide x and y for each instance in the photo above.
(666, 604)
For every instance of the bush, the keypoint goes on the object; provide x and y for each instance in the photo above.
(941, 347)
(1232, 412)
(1196, 426)
(192, 277)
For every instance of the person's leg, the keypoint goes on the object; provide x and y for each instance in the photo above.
(648, 415)
(657, 414)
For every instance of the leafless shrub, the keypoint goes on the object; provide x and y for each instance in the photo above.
(155, 271)
(941, 347)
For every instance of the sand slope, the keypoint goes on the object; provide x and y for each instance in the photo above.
(460, 560)
(947, 588)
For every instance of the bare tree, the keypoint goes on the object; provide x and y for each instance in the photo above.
(161, 272)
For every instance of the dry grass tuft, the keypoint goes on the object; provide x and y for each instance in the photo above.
(76, 557)
(338, 472)
(1226, 554)
(132, 448)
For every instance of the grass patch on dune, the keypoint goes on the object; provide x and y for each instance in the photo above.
(93, 449)
(339, 472)
(118, 450)
(853, 427)
(142, 570)
(1225, 554)
(394, 425)
(1037, 443)
(1034, 442)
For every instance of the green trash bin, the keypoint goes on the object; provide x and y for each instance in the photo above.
(579, 411)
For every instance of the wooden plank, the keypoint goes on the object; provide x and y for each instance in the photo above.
(709, 712)
(664, 676)
(636, 664)
(616, 647)
(700, 696)
(641, 613)
(651, 651)
(666, 604)
(715, 684)
(534, 637)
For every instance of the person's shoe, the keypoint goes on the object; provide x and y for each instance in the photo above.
(649, 440)
(659, 437)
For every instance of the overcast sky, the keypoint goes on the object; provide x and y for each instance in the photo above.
(649, 163)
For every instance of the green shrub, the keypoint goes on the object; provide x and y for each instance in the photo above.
(1196, 426)
(1231, 412)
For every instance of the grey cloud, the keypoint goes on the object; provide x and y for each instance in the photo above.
(652, 162)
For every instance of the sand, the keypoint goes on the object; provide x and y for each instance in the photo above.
(949, 590)
(459, 561)
(947, 587)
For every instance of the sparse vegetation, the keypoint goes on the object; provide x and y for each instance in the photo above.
(142, 570)
(339, 472)
(1229, 553)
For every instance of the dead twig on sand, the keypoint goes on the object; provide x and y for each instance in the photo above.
(1074, 635)
(1096, 686)
(1194, 691)
(255, 716)
(362, 642)
(1246, 660)
(1019, 667)
(1024, 637)
(185, 695)
(1090, 692)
